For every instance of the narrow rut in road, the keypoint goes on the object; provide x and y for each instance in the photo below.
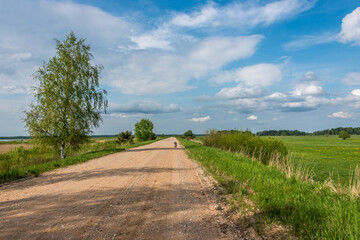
(149, 192)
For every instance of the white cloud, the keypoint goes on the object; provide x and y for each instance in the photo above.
(200, 119)
(218, 51)
(159, 72)
(276, 96)
(242, 15)
(306, 90)
(247, 105)
(355, 92)
(308, 86)
(352, 78)
(241, 91)
(143, 107)
(27, 37)
(252, 117)
(350, 28)
(340, 115)
(205, 15)
(261, 74)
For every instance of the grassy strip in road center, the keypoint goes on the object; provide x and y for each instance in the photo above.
(37, 169)
(311, 210)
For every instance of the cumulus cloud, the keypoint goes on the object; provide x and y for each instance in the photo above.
(308, 86)
(355, 92)
(27, 37)
(144, 107)
(263, 74)
(340, 115)
(350, 28)
(200, 119)
(247, 105)
(352, 78)
(166, 72)
(241, 91)
(252, 117)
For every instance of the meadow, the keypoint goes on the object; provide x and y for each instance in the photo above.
(325, 156)
(263, 196)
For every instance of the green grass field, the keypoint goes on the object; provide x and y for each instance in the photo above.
(309, 209)
(326, 156)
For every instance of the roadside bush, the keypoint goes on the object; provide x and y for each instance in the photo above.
(125, 137)
(189, 134)
(262, 149)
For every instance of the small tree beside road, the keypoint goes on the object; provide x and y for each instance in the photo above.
(68, 104)
(189, 134)
(125, 137)
(344, 135)
(144, 130)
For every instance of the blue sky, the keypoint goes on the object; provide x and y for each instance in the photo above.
(282, 64)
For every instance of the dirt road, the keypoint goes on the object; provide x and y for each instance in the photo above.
(150, 192)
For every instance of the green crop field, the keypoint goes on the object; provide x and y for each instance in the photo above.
(326, 156)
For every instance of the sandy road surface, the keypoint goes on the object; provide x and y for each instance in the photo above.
(150, 192)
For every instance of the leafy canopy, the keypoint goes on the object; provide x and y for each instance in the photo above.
(67, 102)
(144, 130)
(189, 134)
(125, 137)
(344, 135)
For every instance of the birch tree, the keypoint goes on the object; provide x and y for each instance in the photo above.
(68, 102)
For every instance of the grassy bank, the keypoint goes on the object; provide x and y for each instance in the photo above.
(326, 156)
(311, 210)
(32, 162)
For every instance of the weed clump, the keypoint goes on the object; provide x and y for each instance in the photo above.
(262, 149)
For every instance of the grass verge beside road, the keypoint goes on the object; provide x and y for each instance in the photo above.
(310, 210)
(48, 163)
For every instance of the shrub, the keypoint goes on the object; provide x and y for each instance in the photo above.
(125, 137)
(189, 134)
(262, 149)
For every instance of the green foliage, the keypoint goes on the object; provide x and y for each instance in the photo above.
(68, 103)
(336, 131)
(189, 134)
(310, 209)
(144, 130)
(282, 133)
(125, 137)
(245, 142)
(344, 135)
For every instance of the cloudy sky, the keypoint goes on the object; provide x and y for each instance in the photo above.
(282, 64)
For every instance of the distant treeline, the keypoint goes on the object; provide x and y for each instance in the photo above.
(333, 131)
(282, 133)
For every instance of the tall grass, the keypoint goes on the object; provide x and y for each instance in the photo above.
(246, 143)
(311, 210)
